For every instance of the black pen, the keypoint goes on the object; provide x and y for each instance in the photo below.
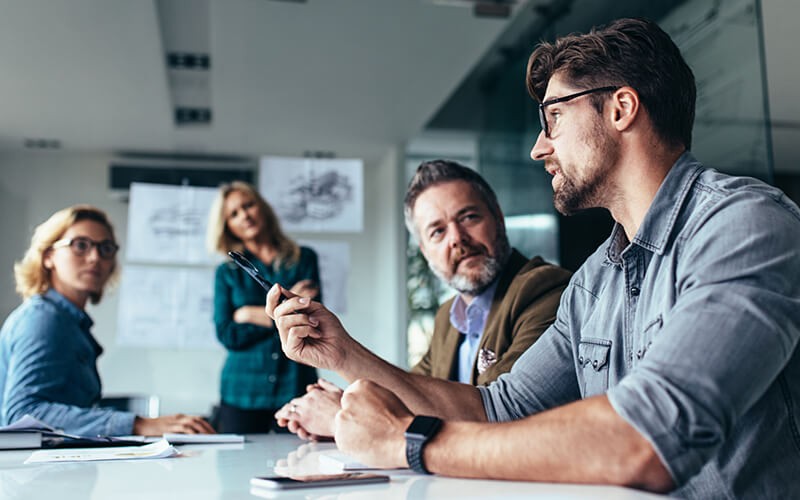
(252, 270)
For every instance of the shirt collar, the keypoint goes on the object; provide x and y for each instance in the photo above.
(68, 307)
(460, 311)
(659, 221)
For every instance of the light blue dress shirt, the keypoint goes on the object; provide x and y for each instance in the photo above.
(470, 320)
(48, 369)
(691, 330)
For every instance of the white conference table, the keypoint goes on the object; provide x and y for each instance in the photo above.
(223, 471)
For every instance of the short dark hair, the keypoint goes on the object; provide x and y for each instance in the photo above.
(627, 52)
(434, 172)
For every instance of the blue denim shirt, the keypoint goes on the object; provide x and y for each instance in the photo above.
(48, 369)
(691, 330)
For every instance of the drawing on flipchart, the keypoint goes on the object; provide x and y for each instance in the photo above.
(167, 224)
(314, 194)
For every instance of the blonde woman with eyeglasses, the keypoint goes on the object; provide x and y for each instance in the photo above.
(48, 354)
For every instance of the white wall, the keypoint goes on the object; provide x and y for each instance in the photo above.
(33, 185)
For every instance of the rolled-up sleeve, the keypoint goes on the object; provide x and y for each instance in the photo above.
(733, 328)
(543, 377)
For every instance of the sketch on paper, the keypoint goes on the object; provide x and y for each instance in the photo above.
(311, 194)
(167, 224)
(166, 307)
(317, 197)
(334, 268)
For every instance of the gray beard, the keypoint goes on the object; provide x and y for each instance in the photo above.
(491, 270)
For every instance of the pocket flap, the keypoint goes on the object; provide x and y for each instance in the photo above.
(594, 353)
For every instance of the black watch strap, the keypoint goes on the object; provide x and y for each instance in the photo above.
(419, 432)
(414, 456)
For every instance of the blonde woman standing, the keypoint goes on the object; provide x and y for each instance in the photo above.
(48, 354)
(257, 378)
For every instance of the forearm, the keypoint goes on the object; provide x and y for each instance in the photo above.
(583, 442)
(423, 395)
(253, 315)
(240, 336)
(74, 419)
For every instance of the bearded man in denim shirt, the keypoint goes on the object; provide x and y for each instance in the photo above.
(672, 365)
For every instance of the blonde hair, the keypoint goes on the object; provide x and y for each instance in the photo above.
(220, 239)
(30, 275)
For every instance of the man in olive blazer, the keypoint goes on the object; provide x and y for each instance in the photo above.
(503, 299)
(524, 305)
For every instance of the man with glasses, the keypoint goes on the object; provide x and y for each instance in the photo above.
(672, 363)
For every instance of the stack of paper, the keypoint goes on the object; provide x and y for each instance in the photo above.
(178, 438)
(24, 433)
(175, 438)
(10, 440)
(160, 449)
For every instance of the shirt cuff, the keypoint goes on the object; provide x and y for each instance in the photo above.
(120, 423)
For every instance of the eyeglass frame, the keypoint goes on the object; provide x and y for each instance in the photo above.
(67, 242)
(543, 118)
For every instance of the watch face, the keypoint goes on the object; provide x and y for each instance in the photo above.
(423, 426)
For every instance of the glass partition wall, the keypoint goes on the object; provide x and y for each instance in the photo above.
(490, 124)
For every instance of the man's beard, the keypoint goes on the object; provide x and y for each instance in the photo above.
(573, 196)
(488, 272)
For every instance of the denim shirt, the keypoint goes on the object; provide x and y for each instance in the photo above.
(470, 320)
(48, 369)
(691, 331)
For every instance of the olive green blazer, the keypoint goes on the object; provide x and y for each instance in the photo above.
(524, 305)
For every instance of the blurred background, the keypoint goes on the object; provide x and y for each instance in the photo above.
(96, 94)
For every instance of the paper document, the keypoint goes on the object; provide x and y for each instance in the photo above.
(24, 433)
(27, 423)
(160, 449)
(175, 438)
(178, 438)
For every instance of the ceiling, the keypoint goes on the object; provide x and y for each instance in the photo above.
(336, 77)
(345, 77)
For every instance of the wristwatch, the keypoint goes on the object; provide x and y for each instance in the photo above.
(418, 433)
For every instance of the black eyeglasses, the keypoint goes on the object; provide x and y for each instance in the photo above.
(543, 117)
(82, 245)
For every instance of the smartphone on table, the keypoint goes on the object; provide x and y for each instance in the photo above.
(315, 481)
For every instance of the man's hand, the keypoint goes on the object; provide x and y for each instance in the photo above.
(309, 333)
(184, 424)
(312, 416)
(370, 426)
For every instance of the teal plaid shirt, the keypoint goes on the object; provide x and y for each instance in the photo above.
(256, 374)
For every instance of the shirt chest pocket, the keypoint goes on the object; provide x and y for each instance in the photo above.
(593, 357)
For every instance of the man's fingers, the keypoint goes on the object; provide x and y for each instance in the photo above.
(292, 305)
(273, 299)
(328, 386)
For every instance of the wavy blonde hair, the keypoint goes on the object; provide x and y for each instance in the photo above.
(220, 239)
(30, 275)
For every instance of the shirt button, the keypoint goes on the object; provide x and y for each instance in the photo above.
(272, 378)
(580, 359)
(594, 363)
(275, 355)
(634, 291)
